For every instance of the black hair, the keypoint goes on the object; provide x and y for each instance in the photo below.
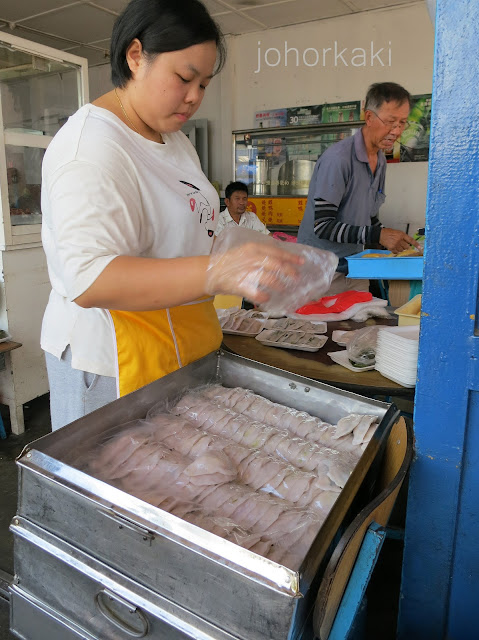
(381, 92)
(235, 186)
(162, 26)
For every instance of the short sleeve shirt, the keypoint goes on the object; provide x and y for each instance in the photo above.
(342, 176)
(108, 192)
(248, 220)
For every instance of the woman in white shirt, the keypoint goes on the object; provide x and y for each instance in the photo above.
(129, 219)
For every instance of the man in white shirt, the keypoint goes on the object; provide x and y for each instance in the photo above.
(235, 214)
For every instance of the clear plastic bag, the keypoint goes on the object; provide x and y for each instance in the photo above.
(362, 348)
(262, 274)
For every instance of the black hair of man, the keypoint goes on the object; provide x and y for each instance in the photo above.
(382, 92)
(235, 186)
(161, 26)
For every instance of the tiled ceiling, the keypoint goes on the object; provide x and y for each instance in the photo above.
(83, 28)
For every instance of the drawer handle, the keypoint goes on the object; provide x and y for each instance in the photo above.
(123, 614)
(129, 525)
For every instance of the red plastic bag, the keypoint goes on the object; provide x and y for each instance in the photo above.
(335, 304)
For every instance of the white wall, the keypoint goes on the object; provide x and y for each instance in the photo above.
(404, 33)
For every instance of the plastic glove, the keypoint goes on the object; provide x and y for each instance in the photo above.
(279, 276)
(252, 271)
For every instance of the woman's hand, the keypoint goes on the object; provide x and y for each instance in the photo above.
(252, 271)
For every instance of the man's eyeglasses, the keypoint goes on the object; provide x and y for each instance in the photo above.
(403, 126)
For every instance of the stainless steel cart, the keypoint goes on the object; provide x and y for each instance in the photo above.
(92, 561)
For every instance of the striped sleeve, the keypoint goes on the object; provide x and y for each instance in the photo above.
(327, 227)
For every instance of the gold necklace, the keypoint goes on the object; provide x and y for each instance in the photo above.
(125, 113)
(130, 122)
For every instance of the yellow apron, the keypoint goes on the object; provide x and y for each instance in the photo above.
(151, 344)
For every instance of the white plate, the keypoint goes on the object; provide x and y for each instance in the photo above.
(394, 356)
(397, 358)
(405, 346)
(408, 384)
(316, 343)
(6, 338)
(396, 370)
(399, 334)
(341, 357)
(397, 376)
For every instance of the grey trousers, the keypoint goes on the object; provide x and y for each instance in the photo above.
(74, 393)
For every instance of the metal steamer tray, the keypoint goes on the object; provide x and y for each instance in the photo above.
(92, 561)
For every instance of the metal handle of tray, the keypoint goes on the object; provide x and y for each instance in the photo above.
(129, 525)
(106, 600)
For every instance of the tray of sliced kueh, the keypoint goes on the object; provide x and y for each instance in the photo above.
(300, 340)
(242, 322)
(291, 324)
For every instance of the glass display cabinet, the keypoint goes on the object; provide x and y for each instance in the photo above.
(40, 88)
(277, 165)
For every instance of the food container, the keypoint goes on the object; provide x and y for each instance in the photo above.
(299, 340)
(301, 324)
(240, 322)
(92, 561)
(387, 268)
(410, 313)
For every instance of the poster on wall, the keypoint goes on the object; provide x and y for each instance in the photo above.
(414, 142)
(270, 118)
(413, 145)
(300, 116)
(341, 112)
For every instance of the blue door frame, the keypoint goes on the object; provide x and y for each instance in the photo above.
(440, 585)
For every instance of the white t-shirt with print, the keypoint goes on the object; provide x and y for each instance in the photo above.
(248, 220)
(108, 192)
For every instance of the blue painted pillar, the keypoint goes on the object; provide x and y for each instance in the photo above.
(440, 586)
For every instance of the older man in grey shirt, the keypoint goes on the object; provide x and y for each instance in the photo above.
(347, 186)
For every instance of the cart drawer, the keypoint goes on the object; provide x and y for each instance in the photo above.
(182, 571)
(31, 619)
(65, 588)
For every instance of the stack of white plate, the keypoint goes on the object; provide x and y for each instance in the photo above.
(396, 354)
